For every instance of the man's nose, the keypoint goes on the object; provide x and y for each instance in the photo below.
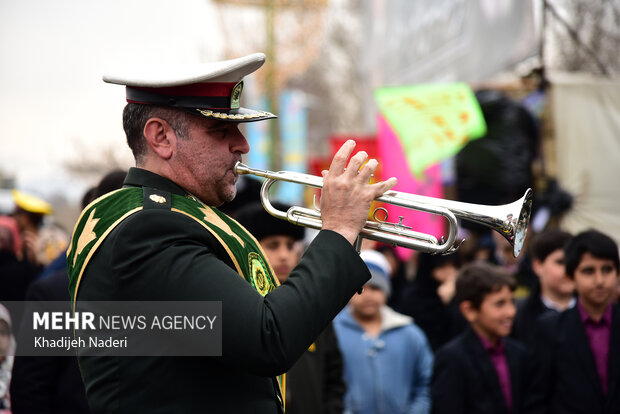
(238, 143)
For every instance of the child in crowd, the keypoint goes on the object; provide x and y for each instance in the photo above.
(481, 371)
(429, 299)
(555, 291)
(387, 359)
(576, 363)
(314, 383)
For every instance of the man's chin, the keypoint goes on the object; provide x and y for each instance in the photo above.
(226, 197)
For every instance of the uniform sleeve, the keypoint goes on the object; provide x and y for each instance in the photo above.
(159, 255)
(447, 386)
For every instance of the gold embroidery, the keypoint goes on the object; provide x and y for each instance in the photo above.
(157, 198)
(211, 217)
(87, 235)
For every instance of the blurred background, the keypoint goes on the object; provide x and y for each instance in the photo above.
(539, 77)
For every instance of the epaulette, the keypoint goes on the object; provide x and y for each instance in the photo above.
(154, 198)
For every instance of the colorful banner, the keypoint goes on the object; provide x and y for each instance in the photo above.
(257, 134)
(293, 123)
(395, 165)
(432, 121)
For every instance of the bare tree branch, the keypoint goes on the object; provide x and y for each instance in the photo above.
(575, 36)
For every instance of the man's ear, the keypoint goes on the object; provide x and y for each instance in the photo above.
(468, 311)
(160, 137)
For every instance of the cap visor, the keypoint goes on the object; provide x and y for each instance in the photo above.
(235, 115)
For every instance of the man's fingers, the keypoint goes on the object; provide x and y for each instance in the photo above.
(383, 186)
(340, 159)
(368, 169)
(356, 162)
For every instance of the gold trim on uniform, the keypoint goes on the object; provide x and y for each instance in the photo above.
(94, 248)
(87, 235)
(212, 217)
(223, 115)
(219, 239)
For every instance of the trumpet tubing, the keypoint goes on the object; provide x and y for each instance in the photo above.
(510, 220)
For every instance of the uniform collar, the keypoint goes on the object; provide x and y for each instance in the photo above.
(138, 177)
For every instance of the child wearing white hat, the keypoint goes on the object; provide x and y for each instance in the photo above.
(387, 359)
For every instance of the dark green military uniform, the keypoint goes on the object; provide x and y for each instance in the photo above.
(157, 254)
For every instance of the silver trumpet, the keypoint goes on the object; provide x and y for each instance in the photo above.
(509, 220)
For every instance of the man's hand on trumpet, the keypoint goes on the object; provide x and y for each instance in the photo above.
(347, 195)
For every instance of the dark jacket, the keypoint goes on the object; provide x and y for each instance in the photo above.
(157, 254)
(563, 375)
(465, 380)
(48, 384)
(528, 311)
(15, 276)
(314, 385)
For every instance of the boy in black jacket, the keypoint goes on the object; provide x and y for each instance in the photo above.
(481, 371)
(554, 290)
(576, 365)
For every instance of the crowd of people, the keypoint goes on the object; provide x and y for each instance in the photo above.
(354, 333)
(37, 271)
(455, 339)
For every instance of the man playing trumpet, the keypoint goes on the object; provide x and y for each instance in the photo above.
(162, 239)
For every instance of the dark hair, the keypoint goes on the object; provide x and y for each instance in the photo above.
(262, 224)
(594, 242)
(135, 117)
(88, 196)
(35, 218)
(548, 242)
(476, 280)
(109, 182)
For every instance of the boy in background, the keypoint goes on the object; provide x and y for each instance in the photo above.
(314, 383)
(387, 358)
(481, 370)
(576, 364)
(555, 291)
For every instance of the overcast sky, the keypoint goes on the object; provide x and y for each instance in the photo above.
(52, 56)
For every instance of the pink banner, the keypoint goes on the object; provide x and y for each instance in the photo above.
(395, 165)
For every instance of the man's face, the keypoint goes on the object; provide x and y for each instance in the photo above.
(205, 159)
(552, 274)
(367, 304)
(494, 318)
(595, 281)
(281, 253)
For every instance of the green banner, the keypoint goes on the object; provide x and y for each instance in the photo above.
(432, 121)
